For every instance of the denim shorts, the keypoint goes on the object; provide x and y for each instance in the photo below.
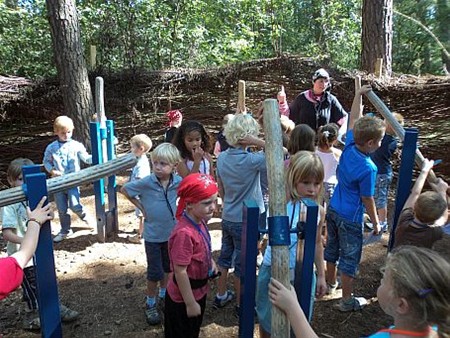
(158, 261)
(344, 243)
(230, 253)
(382, 190)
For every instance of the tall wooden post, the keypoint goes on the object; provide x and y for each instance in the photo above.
(241, 98)
(279, 237)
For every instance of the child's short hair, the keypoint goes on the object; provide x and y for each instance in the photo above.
(368, 128)
(421, 276)
(429, 207)
(142, 140)
(327, 134)
(400, 120)
(186, 128)
(304, 165)
(442, 247)
(240, 126)
(62, 123)
(15, 168)
(166, 152)
(287, 125)
(303, 137)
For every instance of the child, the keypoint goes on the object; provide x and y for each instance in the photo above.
(238, 175)
(140, 145)
(221, 143)
(62, 157)
(327, 138)
(354, 191)
(175, 118)
(415, 291)
(157, 200)
(11, 268)
(301, 138)
(304, 180)
(190, 257)
(192, 141)
(420, 222)
(382, 159)
(14, 228)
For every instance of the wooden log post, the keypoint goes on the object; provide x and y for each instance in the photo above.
(398, 128)
(278, 222)
(62, 183)
(241, 98)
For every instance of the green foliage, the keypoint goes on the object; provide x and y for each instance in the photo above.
(157, 34)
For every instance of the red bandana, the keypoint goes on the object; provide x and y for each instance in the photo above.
(174, 116)
(195, 188)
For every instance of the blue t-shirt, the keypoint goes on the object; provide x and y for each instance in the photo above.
(382, 156)
(356, 178)
(239, 172)
(159, 204)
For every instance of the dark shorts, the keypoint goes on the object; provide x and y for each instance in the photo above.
(230, 252)
(344, 243)
(158, 261)
(382, 190)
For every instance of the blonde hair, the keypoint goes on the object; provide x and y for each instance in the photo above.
(227, 118)
(429, 207)
(15, 168)
(287, 125)
(166, 152)
(142, 140)
(400, 120)
(240, 126)
(304, 165)
(368, 128)
(422, 277)
(62, 123)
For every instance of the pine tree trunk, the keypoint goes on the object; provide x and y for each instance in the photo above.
(442, 16)
(376, 39)
(71, 65)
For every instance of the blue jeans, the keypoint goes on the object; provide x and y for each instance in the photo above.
(230, 251)
(344, 243)
(65, 200)
(382, 190)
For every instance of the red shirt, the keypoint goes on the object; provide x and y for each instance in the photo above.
(11, 276)
(187, 247)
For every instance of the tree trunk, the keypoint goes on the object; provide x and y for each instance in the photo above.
(71, 65)
(376, 39)
(442, 15)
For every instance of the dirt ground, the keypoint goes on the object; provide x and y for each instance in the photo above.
(105, 282)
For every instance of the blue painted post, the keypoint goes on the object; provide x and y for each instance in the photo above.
(35, 188)
(112, 220)
(99, 186)
(404, 177)
(249, 251)
(304, 272)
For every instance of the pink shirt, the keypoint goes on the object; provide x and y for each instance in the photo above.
(11, 276)
(187, 247)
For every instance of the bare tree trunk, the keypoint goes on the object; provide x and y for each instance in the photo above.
(376, 39)
(442, 15)
(71, 65)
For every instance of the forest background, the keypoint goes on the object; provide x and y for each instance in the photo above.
(161, 34)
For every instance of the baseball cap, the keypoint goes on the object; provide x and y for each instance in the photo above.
(320, 74)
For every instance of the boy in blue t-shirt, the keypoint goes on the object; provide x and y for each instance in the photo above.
(157, 200)
(354, 193)
(382, 159)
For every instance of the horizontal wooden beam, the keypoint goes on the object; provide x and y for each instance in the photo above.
(62, 183)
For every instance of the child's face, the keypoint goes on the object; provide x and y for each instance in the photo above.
(193, 140)
(385, 294)
(309, 188)
(15, 182)
(202, 210)
(373, 145)
(137, 150)
(162, 169)
(64, 134)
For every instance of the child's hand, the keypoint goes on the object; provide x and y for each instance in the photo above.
(41, 214)
(321, 287)
(248, 140)
(364, 89)
(197, 154)
(280, 296)
(281, 96)
(55, 173)
(193, 310)
(427, 165)
(440, 186)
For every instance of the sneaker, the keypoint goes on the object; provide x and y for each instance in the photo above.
(60, 236)
(152, 315)
(384, 227)
(68, 315)
(32, 321)
(136, 239)
(220, 303)
(368, 225)
(352, 304)
(331, 288)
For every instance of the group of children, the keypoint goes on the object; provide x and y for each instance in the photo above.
(178, 244)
